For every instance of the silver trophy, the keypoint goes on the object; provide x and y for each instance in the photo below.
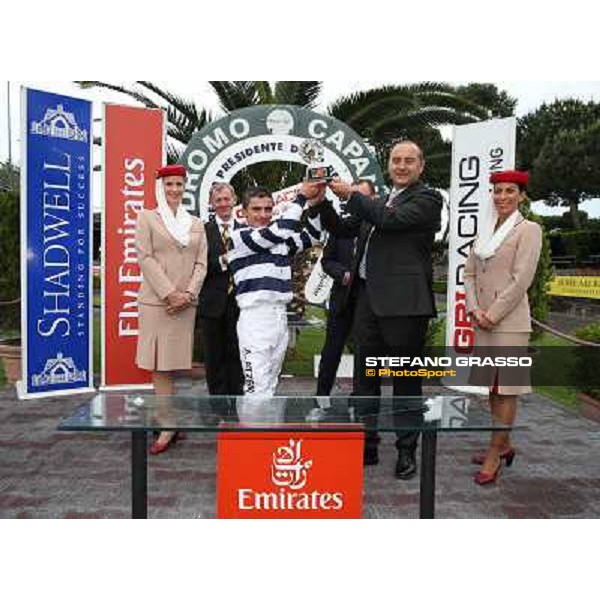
(313, 153)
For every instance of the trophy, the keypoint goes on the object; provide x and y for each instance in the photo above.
(312, 152)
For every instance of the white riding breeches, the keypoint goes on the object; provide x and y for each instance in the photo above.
(263, 339)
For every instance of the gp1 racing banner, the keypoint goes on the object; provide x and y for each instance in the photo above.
(133, 151)
(56, 240)
(478, 149)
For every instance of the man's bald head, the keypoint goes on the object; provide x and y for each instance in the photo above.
(410, 143)
(406, 163)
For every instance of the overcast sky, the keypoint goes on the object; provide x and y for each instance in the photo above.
(529, 96)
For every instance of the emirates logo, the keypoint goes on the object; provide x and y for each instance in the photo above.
(288, 469)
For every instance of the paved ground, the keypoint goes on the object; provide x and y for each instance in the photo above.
(47, 474)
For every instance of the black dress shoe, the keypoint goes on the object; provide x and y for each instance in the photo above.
(370, 456)
(406, 466)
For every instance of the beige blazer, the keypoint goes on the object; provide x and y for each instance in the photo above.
(499, 285)
(166, 265)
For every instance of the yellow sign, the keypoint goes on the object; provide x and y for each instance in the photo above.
(576, 286)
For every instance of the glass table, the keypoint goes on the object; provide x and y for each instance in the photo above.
(141, 413)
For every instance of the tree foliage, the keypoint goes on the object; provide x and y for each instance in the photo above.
(183, 117)
(382, 116)
(497, 103)
(387, 115)
(567, 169)
(9, 260)
(9, 177)
(538, 127)
(538, 292)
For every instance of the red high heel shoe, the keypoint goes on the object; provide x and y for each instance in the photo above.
(508, 456)
(482, 478)
(160, 447)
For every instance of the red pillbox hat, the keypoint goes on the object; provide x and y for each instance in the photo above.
(171, 171)
(518, 177)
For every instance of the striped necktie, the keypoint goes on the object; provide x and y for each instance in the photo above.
(362, 266)
(395, 192)
(226, 237)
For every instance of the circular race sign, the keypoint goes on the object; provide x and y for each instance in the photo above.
(270, 133)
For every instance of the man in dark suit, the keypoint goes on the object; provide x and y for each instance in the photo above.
(217, 307)
(337, 262)
(393, 275)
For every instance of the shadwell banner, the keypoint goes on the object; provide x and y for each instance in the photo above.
(56, 244)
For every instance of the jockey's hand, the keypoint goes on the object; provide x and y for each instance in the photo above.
(341, 189)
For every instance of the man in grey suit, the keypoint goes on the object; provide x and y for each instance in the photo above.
(394, 275)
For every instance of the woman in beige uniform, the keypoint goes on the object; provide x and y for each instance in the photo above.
(171, 247)
(498, 273)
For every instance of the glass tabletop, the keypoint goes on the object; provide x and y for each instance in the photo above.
(147, 412)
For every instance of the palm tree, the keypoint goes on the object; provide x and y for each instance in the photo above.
(388, 114)
(381, 116)
(184, 118)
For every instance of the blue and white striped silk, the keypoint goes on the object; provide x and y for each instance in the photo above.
(260, 259)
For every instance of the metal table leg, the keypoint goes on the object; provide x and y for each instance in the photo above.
(427, 496)
(139, 475)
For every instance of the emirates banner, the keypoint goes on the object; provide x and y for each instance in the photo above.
(478, 149)
(133, 151)
(298, 475)
(56, 236)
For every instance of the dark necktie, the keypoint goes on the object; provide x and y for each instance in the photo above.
(226, 237)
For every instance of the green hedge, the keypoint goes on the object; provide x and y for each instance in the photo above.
(579, 244)
(440, 286)
(9, 260)
(538, 292)
(586, 370)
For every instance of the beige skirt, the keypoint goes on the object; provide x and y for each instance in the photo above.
(165, 342)
(509, 381)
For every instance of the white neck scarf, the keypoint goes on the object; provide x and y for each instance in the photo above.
(488, 241)
(178, 225)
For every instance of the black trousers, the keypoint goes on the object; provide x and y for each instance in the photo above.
(224, 375)
(404, 336)
(339, 326)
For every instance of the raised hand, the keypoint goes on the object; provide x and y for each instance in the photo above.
(313, 190)
(341, 189)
